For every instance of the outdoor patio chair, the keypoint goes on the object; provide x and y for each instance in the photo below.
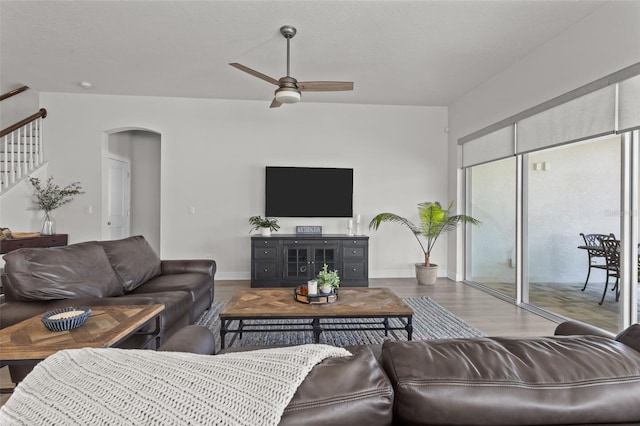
(611, 248)
(596, 255)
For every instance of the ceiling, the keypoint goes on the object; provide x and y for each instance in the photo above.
(397, 52)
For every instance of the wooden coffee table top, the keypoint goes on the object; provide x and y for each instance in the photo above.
(105, 327)
(280, 303)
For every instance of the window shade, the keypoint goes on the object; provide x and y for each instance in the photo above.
(588, 116)
(493, 146)
(629, 104)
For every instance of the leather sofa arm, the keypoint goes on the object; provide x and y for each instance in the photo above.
(202, 266)
(196, 339)
(577, 328)
(630, 337)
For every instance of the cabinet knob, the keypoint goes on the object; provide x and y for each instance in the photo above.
(266, 270)
(325, 242)
(355, 242)
(295, 242)
(265, 252)
(355, 269)
(265, 241)
(354, 252)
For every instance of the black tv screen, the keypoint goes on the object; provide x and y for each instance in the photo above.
(308, 192)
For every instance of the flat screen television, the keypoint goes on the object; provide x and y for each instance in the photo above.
(308, 192)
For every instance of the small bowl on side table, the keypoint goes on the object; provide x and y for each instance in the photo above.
(65, 319)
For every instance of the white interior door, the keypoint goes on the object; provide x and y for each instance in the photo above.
(118, 220)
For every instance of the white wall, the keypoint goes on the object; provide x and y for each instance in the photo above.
(213, 155)
(604, 42)
(145, 186)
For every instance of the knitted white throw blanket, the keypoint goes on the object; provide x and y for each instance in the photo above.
(140, 387)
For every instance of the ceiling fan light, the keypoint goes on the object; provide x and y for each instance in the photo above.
(287, 96)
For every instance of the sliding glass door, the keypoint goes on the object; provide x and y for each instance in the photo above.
(492, 200)
(571, 190)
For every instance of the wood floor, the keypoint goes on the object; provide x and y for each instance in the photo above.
(489, 314)
(493, 316)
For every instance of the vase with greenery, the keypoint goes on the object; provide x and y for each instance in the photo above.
(265, 225)
(327, 280)
(434, 221)
(49, 196)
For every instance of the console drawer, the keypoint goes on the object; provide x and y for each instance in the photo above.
(265, 252)
(354, 251)
(265, 270)
(264, 242)
(354, 271)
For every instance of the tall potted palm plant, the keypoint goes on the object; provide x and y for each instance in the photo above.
(434, 221)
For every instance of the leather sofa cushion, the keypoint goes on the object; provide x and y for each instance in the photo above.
(197, 285)
(500, 381)
(133, 259)
(343, 391)
(71, 272)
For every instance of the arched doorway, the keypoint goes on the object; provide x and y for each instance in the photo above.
(137, 195)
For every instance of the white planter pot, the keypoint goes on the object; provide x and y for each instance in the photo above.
(266, 232)
(326, 289)
(426, 274)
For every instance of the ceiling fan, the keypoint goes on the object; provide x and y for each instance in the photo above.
(288, 91)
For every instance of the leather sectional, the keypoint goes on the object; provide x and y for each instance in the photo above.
(580, 376)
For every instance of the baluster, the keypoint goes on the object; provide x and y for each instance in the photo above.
(39, 141)
(5, 160)
(19, 153)
(31, 146)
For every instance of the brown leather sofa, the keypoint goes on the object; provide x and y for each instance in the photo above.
(98, 273)
(580, 376)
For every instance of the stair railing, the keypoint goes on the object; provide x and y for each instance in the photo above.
(21, 149)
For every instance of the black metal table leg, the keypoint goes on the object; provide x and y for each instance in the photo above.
(409, 327)
(223, 331)
(317, 330)
(386, 326)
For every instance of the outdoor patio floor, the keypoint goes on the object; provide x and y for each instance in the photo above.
(569, 301)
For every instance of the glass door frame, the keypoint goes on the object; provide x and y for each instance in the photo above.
(629, 225)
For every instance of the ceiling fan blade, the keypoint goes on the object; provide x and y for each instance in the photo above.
(275, 104)
(324, 86)
(255, 73)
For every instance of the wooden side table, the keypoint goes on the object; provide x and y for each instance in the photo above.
(29, 341)
(11, 244)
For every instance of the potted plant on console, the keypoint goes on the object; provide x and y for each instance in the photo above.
(265, 225)
(327, 280)
(435, 220)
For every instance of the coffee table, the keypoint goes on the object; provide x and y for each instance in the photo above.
(29, 341)
(279, 303)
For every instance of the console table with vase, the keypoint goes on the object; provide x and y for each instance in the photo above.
(288, 260)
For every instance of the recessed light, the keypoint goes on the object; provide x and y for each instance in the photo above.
(86, 85)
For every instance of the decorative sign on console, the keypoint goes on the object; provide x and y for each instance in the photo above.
(309, 230)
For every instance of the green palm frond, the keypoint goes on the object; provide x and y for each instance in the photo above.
(434, 220)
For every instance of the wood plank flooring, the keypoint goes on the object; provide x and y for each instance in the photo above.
(493, 316)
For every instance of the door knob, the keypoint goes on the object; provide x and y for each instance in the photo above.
(108, 223)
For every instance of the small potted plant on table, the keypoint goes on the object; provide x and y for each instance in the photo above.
(265, 225)
(327, 280)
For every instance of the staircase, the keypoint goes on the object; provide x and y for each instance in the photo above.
(20, 147)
